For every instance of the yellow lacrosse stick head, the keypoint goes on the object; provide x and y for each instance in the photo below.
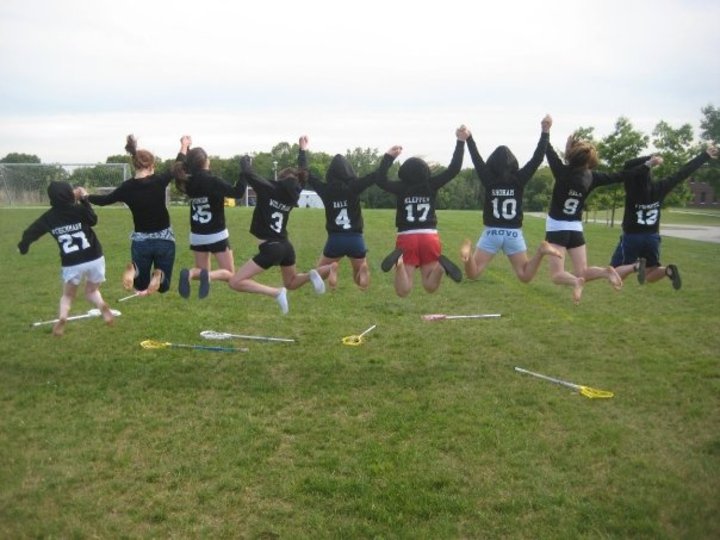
(593, 393)
(353, 340)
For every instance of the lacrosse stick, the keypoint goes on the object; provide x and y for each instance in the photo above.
(91, 313)
(129, 297)
(584, 390)
(443, 317)
(212, 334)
(357, 340)
(151, 344)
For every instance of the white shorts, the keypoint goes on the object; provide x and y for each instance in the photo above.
(93, 272)
(494, 239)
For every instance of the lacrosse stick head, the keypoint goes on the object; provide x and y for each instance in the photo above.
(594, 393)
(152, 344)
(353, 341)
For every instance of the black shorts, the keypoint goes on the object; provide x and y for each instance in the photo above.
(566, 239)
(217, 247)
(275, 253)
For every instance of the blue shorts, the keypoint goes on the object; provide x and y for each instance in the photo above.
(633, 246)
(345, 245)
(494, 239)
(275, 253)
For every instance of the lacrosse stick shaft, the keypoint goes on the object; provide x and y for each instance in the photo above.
(91, 313)
(550, 379)
(211, 334)
(483, 316)
(368, 330)
(128, 297)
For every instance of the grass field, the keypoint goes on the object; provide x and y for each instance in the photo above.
(425, 431)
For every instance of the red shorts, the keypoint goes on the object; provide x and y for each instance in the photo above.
(419, 248)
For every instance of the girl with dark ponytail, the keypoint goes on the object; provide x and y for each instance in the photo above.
(208, 232)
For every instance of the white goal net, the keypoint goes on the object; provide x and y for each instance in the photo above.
(26, 183)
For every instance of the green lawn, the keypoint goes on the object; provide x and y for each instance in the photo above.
(424, 431)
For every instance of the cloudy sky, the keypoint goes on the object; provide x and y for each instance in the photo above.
(76, 76)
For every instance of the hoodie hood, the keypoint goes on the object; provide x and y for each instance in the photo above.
(502, 162)
(60, 194)
(340, 170)
(414, 171)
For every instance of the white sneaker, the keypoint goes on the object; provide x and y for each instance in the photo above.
(317, 281)
(283, 301)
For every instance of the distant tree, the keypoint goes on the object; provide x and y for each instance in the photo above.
(677, 147)
(539, 191)
(624, 143)
(15, 157)
(710, 131)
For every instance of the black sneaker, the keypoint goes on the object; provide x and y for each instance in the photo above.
(641, 270)
(389, 261)
(184, 283)
(674, 274)
(204, 288)
(450, 268)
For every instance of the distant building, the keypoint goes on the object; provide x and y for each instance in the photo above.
(703, 194)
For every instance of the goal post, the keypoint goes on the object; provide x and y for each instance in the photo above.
(24, 184)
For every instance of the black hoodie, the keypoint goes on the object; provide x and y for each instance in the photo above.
(341, 194)
(504, 183)
(644, 198)
(417, 190)
(70, 223)
(274, 201)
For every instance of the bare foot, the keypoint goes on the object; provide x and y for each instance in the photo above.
(107, 315)
(465, 250)
(547, 249)
(155, 280)
(578, 290)
(614, 278)
(59, 328)
(128, 276)
(332, 278)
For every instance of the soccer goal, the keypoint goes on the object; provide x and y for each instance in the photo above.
(24, 184)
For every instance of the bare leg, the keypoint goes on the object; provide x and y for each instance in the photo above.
(66, 300)
(475, 264)
(431, 274)
(525, 268)
(226, 262)
(403, 278)
(242, 280)
(560, 276)
(92, 294)
(590, 273)
(655, 274)
(361, 273)
(324, 261)
(294, 280)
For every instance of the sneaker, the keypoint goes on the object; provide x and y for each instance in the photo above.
(389, 261)
(155, 281)
(129, 275)
(450, 268)
(204, 289)
(674, 274)
(184, 284)
(317, 281)
(283, 301)
(641, 270)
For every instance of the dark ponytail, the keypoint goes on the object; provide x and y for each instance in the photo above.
(183, 171)
(141, 159)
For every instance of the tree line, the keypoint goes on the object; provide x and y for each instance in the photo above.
(676, 145)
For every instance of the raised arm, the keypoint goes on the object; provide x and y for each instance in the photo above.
(477, 160)
(247, 174)
(361, 184)
(667, 184)
(531, 166)
(436, 182)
